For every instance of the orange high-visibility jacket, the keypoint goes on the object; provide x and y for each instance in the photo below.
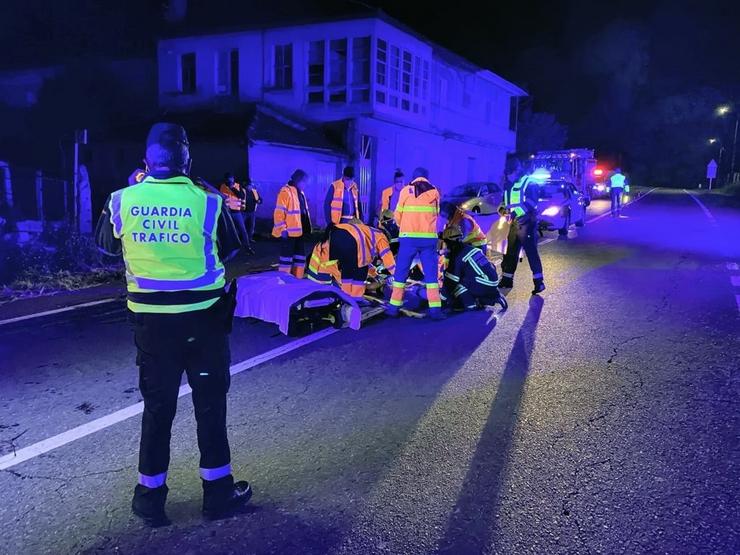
(287, 214)
(371, 244)
(472, 233)
(320, 268)
(385, 199)
(417, 210)
(337, 200)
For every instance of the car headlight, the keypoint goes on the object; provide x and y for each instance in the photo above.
(551, 211)
(600, 187)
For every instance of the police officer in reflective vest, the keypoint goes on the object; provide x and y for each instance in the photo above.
(174, 236)
(520, 204)
(617, 187)
(417, 213)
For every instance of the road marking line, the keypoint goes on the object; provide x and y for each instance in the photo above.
(703, 207)
(735, 281)
(733, 266)
(46, 445)
(625, 205)
(55, 311)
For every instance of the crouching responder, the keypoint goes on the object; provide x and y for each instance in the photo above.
(416, 213)
(346, 254)
(472, 234)
(520, 206)
(470, 279)
(292, 222)
(174, 237)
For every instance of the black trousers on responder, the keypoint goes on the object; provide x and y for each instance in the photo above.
(293, 256)
(241, 230)
(616, 196)
(522, 234)
(196, 343)
(343, 249)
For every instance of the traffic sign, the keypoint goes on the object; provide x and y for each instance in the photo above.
(712, 170)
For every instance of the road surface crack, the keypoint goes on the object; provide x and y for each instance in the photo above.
(615, 350)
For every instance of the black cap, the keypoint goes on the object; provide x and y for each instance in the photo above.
(420, 172)
(397, 173)
(167, 134)
(297, 176)
(348, 172)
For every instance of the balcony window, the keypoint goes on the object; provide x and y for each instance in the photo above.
(227, 72)
(283, 66)
(338, 62)
(406, 89)
(316, 97)
(395, 82)
(381, 63)
(316, 64)
(187, 73)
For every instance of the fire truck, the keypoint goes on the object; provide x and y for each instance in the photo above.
(578, 165)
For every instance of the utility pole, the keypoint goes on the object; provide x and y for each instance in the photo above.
(80, 138)
(734, 150)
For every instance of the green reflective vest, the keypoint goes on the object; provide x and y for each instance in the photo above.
(168, 231)
(514, 197)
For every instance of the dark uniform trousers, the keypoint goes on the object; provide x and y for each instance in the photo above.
(241, 229)
(343, 249)
(616, 198)
(522, 234)
(196, 343)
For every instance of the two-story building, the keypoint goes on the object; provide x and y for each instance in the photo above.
(393, 98)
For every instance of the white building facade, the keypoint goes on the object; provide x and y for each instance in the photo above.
(402, 101)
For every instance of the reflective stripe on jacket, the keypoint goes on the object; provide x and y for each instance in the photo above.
(417, 210)
(168, 230)
(287, 214)
(320, 268)
(472, 232)
(517, 201)
(335, 208)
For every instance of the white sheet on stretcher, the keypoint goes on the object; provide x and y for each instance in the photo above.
(268, 296)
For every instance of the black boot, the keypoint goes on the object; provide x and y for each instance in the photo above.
(539, 286)
(224, 497)
(506, 283)
(148, 505)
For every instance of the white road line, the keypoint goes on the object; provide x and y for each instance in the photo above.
(46, 445)
(55, 311)
(608, 212)
(733, 266)
(703, 207)
(735, 281)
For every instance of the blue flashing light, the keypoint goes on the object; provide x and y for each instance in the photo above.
(540, 174)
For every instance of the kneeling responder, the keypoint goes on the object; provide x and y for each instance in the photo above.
(416, 213)
(292, 222)
(520, 205)
(472, 234)
(174, 237)
(346, 255)
(470, 278)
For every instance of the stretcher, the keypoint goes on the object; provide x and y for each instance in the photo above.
(297, 306)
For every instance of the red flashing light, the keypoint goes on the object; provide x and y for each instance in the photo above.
(598, 172)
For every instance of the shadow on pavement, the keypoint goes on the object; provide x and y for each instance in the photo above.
(259, 530)
(471, 521)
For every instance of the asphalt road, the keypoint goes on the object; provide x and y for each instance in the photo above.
(600, 418)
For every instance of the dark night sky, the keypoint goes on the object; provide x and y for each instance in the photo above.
(603, 68)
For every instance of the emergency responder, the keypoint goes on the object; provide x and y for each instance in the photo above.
(472, 233)
(251, 201)
(292, 222)
(520, 206)
(231, 188)
(416, 213)
(389, 195)
(470, 278)
(342, 201)
(346, 255)
(175, 237)
(617, 187)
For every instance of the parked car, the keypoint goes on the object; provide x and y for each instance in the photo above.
(560, 205)
(479, 197)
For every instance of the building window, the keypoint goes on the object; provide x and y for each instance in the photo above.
(338, 62)
(361, 70)
(513, 112)
(395, 82)
(393, 101)
(316, 72)
(380, 97)
(406, 89)
(227, 72)
(381, 63)
(425, 80)
(316, 64)
(187, 73)
(405, 105)
(283, 66)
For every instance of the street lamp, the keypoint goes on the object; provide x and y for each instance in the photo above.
(722, 111)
